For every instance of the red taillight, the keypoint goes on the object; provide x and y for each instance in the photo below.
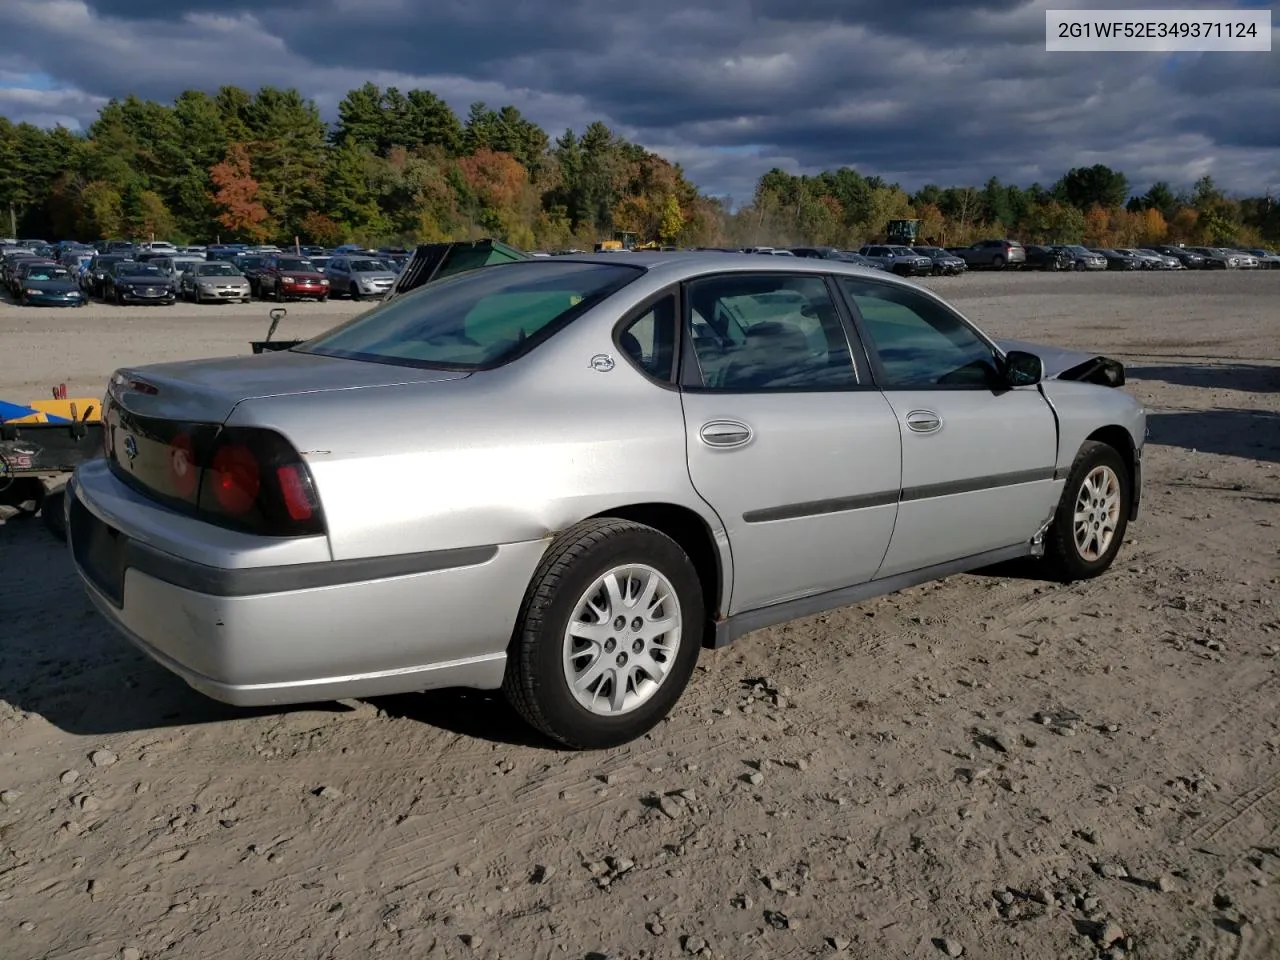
(235, 480)
(183, 470)
(293, 489)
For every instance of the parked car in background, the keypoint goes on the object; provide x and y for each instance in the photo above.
(19, 271)
(1218, 258)
(133, 282)
(903, 261)
(213, 281)
(48, 285)
(1117, 260)
(995, 254)
(1267, 259)
(251, 265)
(358, 277)
(1048, 258)
(819, 405)
(1082, 258)
(288, 276)
(1247, 260)
(1150, 260)
(1185, 256)
(945, 263)
(95, 280)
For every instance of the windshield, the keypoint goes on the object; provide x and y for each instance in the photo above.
(217, 270)
(930, 251)
(250, 261)
(140, 270)
(296, 265)
(367, 266)
(475, 319)
(48, 273)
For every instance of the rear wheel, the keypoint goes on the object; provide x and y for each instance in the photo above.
(608, 634)
(1093, 514)
(997, 263)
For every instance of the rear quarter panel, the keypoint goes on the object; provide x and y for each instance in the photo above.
(510, 455)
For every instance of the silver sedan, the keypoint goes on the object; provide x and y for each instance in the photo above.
(213, 280)
(562, 477)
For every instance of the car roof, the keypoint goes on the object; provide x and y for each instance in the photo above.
(688, 264)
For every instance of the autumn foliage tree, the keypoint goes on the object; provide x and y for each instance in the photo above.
(236, 195)
(400, 166)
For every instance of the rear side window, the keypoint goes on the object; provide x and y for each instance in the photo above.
(650, 339)
(760, 333)
(477, 319)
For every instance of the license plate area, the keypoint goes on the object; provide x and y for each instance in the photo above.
(99, 550)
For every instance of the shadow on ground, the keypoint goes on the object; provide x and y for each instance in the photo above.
(1246, 377)
(1253, 434)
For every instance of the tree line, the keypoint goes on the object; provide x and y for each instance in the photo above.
(402, 167)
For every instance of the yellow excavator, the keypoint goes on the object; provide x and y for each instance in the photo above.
(626, 240)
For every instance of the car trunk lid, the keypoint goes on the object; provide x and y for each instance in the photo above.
(207, 391)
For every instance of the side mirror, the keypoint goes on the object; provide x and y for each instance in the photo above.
(1022, 369)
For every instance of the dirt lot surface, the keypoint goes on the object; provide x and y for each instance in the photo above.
(991, 764)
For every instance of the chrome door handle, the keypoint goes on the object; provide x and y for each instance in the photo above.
(923, 421)
(725, 433)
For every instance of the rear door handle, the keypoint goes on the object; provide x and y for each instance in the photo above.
(923, 421)
(725, 433)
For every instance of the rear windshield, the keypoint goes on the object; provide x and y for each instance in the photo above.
(476, 319)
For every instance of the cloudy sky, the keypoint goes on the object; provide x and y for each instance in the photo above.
(945, 91)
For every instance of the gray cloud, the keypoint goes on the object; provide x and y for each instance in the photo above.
(929, 91)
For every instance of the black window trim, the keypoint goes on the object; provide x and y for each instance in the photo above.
(690, 374)
(878, 372)
(676, 291)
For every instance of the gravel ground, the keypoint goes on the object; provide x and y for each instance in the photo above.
(990, 766)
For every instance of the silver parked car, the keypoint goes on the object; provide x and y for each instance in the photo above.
(359, 277)
(213, 280)
(563, 476)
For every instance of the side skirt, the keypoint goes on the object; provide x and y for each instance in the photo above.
(732, 628)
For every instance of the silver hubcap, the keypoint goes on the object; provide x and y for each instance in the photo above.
(622, 639)
(1097, 513)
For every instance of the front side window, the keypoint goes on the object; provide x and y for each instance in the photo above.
(476, 319)
(920, 344)
(761, 333)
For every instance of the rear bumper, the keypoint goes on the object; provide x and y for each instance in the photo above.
(256, 632)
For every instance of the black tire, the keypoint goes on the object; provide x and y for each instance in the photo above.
(322, 299)
(535, 682)
(354, 292)
(997, 263)
(279, 294)
(1061, 552)
(51, 513)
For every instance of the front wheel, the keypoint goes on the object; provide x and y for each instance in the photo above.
(608, 634)
(279, 294)
(1093, 514)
